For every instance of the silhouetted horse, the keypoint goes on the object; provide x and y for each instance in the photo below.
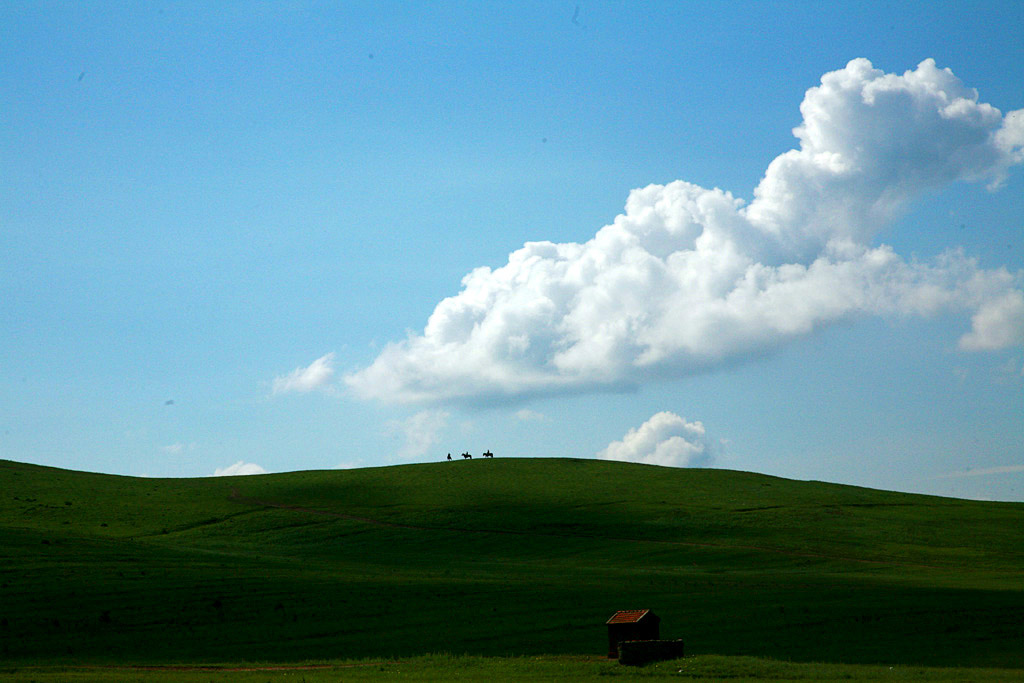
(449, 456)
(467, 455)
(488, 454)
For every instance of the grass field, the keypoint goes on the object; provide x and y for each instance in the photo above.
(501, 558)
(735, 669)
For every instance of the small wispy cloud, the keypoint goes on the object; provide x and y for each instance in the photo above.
(1011, 370)
(527, 415)
(317, 375)
(982, 472)
(349, 465)
(178, 448)
(239, 468)
(420, 432)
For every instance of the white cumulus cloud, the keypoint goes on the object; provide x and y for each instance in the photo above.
(239, 468)
(665, 439)
(998, 323)
(317, 375)
(687, 277)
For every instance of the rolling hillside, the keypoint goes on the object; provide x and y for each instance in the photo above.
(504, 556)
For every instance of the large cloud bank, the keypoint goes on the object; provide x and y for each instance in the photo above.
(665, 439)
(688, 277)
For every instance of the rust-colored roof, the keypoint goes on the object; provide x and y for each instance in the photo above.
(627, 616)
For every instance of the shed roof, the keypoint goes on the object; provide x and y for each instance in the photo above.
(628, 616)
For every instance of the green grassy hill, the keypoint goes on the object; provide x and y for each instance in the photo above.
(495, 557)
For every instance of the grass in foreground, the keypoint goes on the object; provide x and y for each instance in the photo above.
(468, 668)
(498, 558)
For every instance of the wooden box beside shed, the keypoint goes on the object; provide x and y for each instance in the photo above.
(631, 624)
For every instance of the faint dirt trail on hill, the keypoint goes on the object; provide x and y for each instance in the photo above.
(237, 497)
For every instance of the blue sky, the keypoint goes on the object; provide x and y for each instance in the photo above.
(224, 231)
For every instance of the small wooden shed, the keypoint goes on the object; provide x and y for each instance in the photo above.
(631, 624)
